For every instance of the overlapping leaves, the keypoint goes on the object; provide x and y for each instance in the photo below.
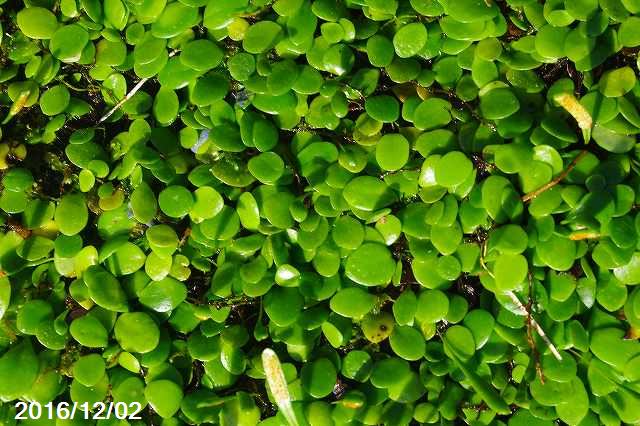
(426, 208)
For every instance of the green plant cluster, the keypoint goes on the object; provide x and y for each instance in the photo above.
(322, 212)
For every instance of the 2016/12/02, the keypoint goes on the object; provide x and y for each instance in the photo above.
(65, 410)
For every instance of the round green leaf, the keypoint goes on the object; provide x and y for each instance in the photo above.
(68, 42)
(380, 50)
(368, 193)
(460, 340)
(498, 103)
(55, 100)
(201, 55)
(318, 377)
(89, 369)
(382, 108)
(618, 82)
(407, 342)
(164, 295)
(510, 271)
(137, 332)
(357, 365)
(261, 37)
(164, 397)
(104, 289)
(370, 265)
(174, 19)
(431, 114)
(452, 169)
(352, 302)
(175, 201)
(266, 167)
(72, 214)
(472, 10)
(392, 152)
(37, 22)
(89, 332)
(410, 40)
(433, 306)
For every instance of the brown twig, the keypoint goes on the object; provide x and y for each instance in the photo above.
(533, 194)
(185, 236)
(16, 227)
(483, 254)
(523, 311)
(233, 302)
(128, 96)
(532, 344)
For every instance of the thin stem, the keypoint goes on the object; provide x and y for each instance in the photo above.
(532, 343)
(184, 238)
(483, 254)
(233, 301)
(534, 323)
(128, 96)
(533, 194)
(523, 310)
(71, 86)
(16, 227)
